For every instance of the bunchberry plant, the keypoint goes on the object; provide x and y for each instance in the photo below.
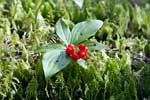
(75, 46)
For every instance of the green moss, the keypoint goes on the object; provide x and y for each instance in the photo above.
(121, 72)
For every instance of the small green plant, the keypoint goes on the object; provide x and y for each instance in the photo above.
(58, 56)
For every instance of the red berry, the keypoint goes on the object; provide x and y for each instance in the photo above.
(82, 46)
(71, 45)
(69, 50)
(86, 49)
(75, 56)
(82, 54)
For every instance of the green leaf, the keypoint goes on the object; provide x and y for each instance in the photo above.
(63, 31)
(79, 2)
(94, 45)
(84, 30)
(48, 47)
(82, 63)
(54, 61)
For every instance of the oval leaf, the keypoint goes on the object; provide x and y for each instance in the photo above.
(84, 30)
(94, 45)
(82, 63)
(54, 61)
(48, 47)
(63, 31)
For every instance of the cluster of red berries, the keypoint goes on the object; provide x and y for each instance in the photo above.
(81, 51)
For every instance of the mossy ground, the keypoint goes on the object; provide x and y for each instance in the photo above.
(121, 72)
